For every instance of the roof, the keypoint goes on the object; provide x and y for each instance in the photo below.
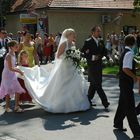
(109, 4)
(20, 5)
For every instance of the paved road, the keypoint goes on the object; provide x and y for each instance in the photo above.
(37, 124)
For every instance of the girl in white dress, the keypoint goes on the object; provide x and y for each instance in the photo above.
(62, 90)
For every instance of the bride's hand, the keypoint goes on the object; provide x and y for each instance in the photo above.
(21, 73)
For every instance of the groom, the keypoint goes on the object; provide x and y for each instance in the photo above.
(93, 51)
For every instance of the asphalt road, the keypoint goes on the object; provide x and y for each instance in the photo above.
(37, 124)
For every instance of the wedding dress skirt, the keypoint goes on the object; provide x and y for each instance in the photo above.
(58, 88)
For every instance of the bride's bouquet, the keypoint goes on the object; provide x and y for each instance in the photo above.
(74, 55)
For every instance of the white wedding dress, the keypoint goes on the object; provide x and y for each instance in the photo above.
(58, 87)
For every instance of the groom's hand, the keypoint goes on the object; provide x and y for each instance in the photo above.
(87, 51)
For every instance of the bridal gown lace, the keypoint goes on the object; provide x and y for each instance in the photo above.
(58, 87)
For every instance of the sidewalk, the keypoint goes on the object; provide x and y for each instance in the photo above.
(95, 124)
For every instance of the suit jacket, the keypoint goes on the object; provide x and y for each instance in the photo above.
(4, 45)
(94, 67)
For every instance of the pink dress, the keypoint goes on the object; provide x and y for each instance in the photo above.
(10, 84)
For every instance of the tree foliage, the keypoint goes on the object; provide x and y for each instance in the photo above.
(5, 6)
(136, 4)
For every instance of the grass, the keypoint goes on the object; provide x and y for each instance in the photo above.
(111, 70)
(114, 70)
(138, 73)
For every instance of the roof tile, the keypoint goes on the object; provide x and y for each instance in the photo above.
(21, 5)
(115, 4)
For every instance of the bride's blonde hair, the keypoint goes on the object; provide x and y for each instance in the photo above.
(65, 34)
(68, 32)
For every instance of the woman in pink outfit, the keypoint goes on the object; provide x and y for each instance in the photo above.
(10, 85)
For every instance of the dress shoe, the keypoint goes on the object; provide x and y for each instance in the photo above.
(137, 137)
(120, 128)
(138, 112)
(92, 104)
(106, 104)
(1, 100)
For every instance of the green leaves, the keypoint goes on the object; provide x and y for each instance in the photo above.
(136, 4)
(5, 6)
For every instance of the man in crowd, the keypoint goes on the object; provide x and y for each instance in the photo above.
(3, 49)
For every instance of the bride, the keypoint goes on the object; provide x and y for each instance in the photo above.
(58, 87)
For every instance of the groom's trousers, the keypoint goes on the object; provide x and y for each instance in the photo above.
(91, 92)
(95, 79)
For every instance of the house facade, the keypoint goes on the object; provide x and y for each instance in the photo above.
(81, 15)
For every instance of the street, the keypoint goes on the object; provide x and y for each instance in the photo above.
(94, 124)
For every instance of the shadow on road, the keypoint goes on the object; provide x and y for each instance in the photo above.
(11, 118)
(53, 121)
(64, 121)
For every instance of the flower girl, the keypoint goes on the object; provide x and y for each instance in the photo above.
(10, 85)
(23, 60)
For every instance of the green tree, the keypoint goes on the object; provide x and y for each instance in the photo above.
(5, 6)
(136, 4)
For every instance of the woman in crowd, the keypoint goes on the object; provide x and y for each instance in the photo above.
(29, 46)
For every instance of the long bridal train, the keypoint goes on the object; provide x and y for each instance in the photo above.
(58, 88)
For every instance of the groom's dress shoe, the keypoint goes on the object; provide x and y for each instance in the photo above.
(120, 128)
(138, 111)
(92, 104)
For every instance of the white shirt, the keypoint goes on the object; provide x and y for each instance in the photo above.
(57, 40)
(128, 59)
(1, 41)
(2, 50)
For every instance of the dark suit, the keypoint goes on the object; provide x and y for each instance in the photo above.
(138, 109)
(95, 68)
(2, 57)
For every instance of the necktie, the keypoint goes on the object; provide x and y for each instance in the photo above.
(3, 43)
(0, 45)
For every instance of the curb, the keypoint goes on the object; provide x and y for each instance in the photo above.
(106, 75)
(110, 75)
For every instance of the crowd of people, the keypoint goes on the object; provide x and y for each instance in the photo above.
(45, 47)
(69, 94)
(115, 44)
(29, 51)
